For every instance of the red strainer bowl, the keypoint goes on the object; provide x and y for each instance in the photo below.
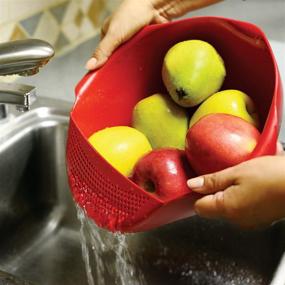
(106, 98)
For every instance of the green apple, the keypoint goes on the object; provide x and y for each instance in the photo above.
(192, 71)
(163, 122)
(121, 146)
(232, 102)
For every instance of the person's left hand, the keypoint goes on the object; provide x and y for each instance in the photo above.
(250, 195)
(133, 15)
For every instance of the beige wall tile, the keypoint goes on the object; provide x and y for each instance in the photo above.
(14, 10)
(18, 33)
(71, 31)
(85, 4)
(96, 12)
(4, 12)
(87, 28)
(71, 12)
(78, 18)
(113, 4)
(48, 29)
(6, 31)
(47, 19)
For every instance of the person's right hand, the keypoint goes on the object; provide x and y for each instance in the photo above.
(133, 15)
(250, 194)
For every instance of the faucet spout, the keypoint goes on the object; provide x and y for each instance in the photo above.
(23, 57)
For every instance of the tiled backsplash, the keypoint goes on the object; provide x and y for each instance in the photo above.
(63, 23)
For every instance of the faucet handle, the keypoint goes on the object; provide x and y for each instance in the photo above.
(23, 96)
(24, 57)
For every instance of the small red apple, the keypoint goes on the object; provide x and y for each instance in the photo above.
(218, 141)
(164, 172)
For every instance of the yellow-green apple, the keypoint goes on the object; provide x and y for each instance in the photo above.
(192, 71)
(163, 172)
(233, 102)
(121, 146)
(164, 123)
(218, 141)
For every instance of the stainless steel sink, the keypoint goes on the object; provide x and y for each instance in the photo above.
(39, 238)
(40, 233)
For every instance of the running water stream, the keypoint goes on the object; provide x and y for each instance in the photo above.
(106, 255)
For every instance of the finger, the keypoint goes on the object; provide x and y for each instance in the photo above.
(215, 182)
(105, 48)
(211, 206)
(159, 19)
(124, 23)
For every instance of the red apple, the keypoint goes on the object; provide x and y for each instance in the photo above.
(218, 141)
(164, 172)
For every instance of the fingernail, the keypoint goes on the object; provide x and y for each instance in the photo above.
(196, 182)
(91, 63)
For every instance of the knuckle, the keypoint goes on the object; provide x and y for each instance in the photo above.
(212, 181)
(117, 41)
(113, 38)
(112, 32)
(220, 201)
(100, 53)
(114, 28)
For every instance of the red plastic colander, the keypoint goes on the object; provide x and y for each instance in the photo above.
(106, 97)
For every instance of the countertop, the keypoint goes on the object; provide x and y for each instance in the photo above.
(59, 77)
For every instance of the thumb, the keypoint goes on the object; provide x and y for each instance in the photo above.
(217, 188)
(212, 183)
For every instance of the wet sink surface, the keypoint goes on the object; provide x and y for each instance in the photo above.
(199, 251)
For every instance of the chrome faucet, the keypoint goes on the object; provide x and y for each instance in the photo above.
(22, 57)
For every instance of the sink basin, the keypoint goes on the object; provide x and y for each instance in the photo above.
(40, 233)
(39, 239)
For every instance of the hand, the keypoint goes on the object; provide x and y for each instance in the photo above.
(133, 15)
(251, 194)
